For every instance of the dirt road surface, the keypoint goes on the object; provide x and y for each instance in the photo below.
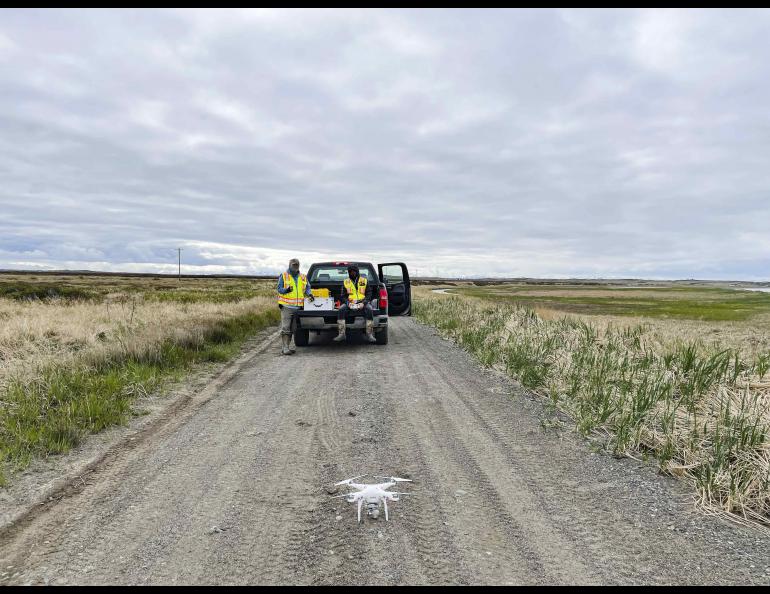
(239, 490)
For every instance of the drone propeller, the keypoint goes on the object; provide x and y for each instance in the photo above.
(349, 497)
(350, 480)
(392, 496)
(395, 479)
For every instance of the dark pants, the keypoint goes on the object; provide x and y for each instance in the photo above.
(343, 311)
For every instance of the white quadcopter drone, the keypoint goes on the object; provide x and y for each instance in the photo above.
(372, 495)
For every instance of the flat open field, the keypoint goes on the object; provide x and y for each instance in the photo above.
(737, 318)
(676, 302)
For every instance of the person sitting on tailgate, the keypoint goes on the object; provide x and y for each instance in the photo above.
(355, 290)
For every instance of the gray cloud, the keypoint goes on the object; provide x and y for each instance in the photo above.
(506, 142)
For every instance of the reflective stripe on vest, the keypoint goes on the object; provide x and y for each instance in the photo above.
(296, 297)
(356, 293)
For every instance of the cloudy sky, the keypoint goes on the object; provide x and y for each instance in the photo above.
(479, 143)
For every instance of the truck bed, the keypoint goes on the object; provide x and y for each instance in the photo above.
(330, 316)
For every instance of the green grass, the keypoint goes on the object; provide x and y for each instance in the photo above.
(96, 288)
(202, 296)
(687, 404)
(32, 291)
(679, 303)
(52, 413)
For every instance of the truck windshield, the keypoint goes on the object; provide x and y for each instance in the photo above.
(331, 274)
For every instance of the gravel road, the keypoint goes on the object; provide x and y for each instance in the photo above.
(239, 490)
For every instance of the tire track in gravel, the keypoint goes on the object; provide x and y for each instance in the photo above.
(363, 554)
(220, 476)
(527, 462)
(285, 494)
(481, 524)
(332, 546)
(492, 486)
(421, 518)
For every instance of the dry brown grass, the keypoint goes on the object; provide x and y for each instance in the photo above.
(35, 334)
(125, 312)
(124, 284)
(749, 337)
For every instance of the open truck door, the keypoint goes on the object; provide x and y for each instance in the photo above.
(395, 276)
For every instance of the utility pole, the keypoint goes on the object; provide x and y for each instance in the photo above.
(179, 251)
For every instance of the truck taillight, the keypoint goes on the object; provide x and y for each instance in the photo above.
(383, 298)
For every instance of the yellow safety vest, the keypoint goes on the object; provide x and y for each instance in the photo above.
(295, 297)
(356, 293)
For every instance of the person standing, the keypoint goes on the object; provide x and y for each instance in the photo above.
(292, 290)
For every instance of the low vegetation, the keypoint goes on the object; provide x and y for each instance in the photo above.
(74, 355)
(699, 407)
(695, 303)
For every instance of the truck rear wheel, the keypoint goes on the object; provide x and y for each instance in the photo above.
(382, 336)
(301, 337)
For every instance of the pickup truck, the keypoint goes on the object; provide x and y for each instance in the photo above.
(391, 296)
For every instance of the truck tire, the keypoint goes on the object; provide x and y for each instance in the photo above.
(301, 337)
(382, 336)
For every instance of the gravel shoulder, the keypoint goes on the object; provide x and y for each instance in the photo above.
(237, 488)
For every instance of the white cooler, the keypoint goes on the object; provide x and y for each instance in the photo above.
(320, 304)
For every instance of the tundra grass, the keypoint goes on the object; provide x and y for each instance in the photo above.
(75, 353)
(200, 296)
(30, 291)
(97, 289)
(679, 303)
(702, 411)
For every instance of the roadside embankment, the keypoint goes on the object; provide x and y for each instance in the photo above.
(74, 366)
(698, 408)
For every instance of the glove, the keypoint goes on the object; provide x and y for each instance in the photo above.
(311, 298)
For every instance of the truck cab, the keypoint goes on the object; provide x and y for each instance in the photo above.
(391, 296)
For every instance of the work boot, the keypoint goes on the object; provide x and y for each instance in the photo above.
(340, 331)
(370, 331)
(292, 350)
(285, 338)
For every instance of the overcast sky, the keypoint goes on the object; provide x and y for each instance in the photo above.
(483, 143)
